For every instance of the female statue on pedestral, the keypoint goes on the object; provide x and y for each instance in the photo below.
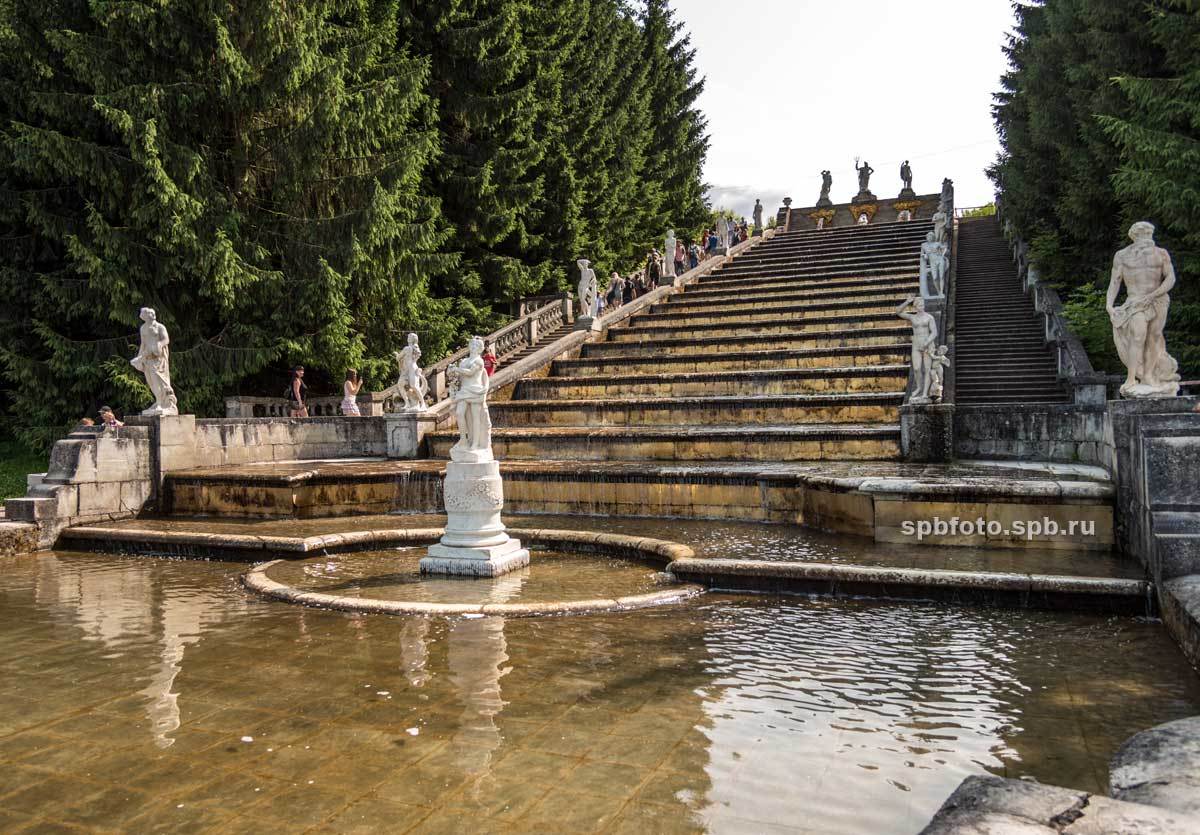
(471, 381)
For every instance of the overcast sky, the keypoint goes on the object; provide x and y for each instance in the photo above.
(796, 86)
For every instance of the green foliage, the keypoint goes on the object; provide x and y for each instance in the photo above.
(1099, 119)
(17, 459)
(981, 211)
(309, 181)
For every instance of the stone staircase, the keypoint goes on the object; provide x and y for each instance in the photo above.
(791, 352)
(1001, 354)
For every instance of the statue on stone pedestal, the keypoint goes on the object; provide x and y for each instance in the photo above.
(412, 383)
(906, 175)
(758, 210)
(939, 226)
(947, 194)
(934, 265)
(924, 339)
(471, 383)
(668, 269)
(723, 232)
(153, 360)
(826, 184)
(587, 288)
(937, 372)
(1146, 271)
(864, 175)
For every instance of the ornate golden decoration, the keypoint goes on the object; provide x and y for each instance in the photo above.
(869, 209)
(911, 205)
(822, 213)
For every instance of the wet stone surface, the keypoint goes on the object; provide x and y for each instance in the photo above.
(394, 575)
(144, 694)
(709, 540)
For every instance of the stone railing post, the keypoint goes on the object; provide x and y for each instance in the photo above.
(567, 305)
(531, 331)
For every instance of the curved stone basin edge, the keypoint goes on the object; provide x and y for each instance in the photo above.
(1050, 591)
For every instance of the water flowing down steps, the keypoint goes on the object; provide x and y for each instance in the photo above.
(1001, 353)
(790, 352)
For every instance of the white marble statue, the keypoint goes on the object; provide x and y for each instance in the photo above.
(587, 288)
(939, 226)
(1146, 271)
(154, 361)
(934, 266)
(412, 383)
(469, 375)
(668, 268)
(864, 219)
(475, 542)
(924, 340)
(723, 232)
(937, 373)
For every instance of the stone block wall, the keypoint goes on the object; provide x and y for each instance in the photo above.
(219, 442)
(95, 474)
(1066, 432)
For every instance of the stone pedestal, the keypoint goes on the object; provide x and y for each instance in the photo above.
(406, 430)
(907, 194)
(587, 323)
(927, 433)
(475, 543)
(865, 196)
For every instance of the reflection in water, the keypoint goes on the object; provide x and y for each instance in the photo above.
(889, 706)
(724, 714)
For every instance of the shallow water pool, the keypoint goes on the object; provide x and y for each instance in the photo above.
(139, 694)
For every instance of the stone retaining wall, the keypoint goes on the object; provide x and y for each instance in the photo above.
(1065, 432)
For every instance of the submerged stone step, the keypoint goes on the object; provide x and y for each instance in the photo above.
(759, 382)
(687, 443)
(699, 362)
(858, 407)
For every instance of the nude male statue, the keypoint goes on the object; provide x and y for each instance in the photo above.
(924, 338)
(1145, 270)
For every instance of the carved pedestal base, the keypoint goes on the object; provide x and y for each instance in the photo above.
(475, 543)
(1145, 391)
(587, 323)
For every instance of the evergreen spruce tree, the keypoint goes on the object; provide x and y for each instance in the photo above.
(250, 170)
(487, 174)
(677, 151)
(1159, 175)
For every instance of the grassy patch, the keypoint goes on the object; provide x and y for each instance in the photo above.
(17, 460)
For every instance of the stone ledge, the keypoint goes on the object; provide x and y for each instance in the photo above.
(996, 806)
(1160, 767)
(1012, 589)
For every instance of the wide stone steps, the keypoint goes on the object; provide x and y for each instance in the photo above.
(759, 382)
(819, 262)
(864, 266)
(858, 407)
(798, 340)
(767, 289)
(837, 442)
(893, 245)
(696, 301)
(810, 325)
(801, 276)
(762, 313)
(704, 361)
